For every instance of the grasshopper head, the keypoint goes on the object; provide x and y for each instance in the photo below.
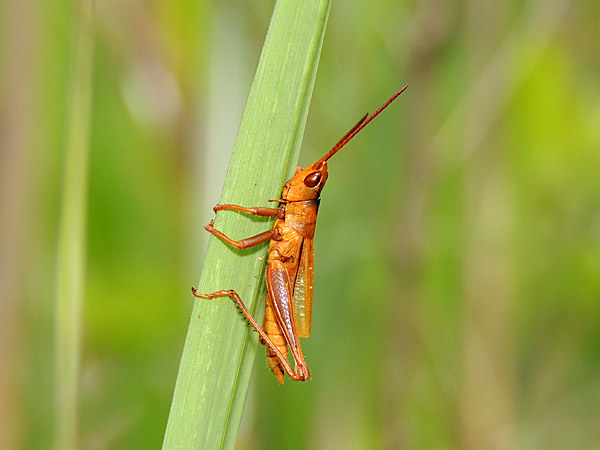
(306, 184)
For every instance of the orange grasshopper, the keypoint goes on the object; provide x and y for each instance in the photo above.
(289, 272)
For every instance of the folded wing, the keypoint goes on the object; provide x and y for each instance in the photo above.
(303, 290)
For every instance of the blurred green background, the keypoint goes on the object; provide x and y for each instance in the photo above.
(457, 283)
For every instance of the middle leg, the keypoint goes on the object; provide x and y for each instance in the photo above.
(244, 243)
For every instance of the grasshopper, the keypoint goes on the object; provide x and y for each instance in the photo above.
(290, 272)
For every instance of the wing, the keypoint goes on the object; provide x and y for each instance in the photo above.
(303, 289)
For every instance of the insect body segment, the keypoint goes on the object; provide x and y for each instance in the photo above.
(290, 268)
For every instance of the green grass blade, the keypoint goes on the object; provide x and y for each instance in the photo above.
(70, 262)
(219, 349)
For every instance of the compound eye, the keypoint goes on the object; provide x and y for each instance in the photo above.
(312, 180)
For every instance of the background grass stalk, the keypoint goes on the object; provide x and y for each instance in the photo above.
(219, 350)
(70, 262)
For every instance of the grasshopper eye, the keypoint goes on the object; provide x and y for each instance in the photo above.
(313, 179)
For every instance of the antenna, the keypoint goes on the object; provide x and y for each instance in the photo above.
(356, 128)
